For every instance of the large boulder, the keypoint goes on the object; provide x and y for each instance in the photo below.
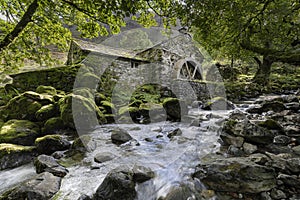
(175, 109)
(120, 183)
(235, 174)
(51, 143)
(79, 112)
(120, 136)
(44, 163)
(248, 130)
(43, 186)
(26, 105)
(21, 132)
(53, 125)
(12, 155)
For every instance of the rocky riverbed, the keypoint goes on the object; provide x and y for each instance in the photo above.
(249, 151)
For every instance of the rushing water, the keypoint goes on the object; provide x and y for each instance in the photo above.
(172, 160)
(11, 177)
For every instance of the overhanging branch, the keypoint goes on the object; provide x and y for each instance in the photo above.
(25, 20)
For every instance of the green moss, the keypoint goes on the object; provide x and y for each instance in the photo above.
(46, 112)
(85, 111)
(52, 125)
(169, 99)
(14, 131)
(46, 90)
(6, 148)
(48, 137)
(126, 109)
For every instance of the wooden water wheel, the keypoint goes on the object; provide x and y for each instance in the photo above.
(187, 70)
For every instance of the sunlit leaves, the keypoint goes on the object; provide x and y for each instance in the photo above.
(47, 31)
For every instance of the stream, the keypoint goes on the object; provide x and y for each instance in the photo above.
(173, 160)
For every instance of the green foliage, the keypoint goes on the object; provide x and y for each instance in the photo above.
(32, 29)
(246, 28)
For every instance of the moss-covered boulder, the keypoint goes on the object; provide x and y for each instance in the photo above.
(26, 105)
(47, 112)
(12, 155)
(22, 132)
(53, 125)
(51, 143)
(79, 112)
(42, 89)
(175, 108)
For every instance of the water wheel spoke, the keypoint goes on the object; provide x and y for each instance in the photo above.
(188, 70)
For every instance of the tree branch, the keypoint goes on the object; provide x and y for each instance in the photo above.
(290, 57)
(25, 20)
(84, 11)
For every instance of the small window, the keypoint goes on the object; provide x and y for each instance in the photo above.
(134, 64)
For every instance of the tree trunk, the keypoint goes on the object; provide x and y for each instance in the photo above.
(25, 20)
(262, 75)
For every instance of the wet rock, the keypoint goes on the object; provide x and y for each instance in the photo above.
(275, 106)
(22, 132)
(80, 113)
(235, 151)
(84, 143)
(251, 132)
(292, 130)
(118, 184)
(249, 148)
(232, 140)
(293, 164)
(235, 174)
(181, 192)
(44, 186)
(142, 174)
(294, 106)
(175, 132)
(218, 103)
(51, 143)
(44, 163)
(46, 112)
(12, 155)
(296, 150)
(281, 140)
(237, 115)
(278, 161)
(278, 194)
(265, 196)
(120, 136)
(53, 125)
(271, 124)
(259, 158)
(290, 180)
(84, 197)
(104, 157)
(175, 109)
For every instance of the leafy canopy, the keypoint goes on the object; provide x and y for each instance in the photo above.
(238, 28)
(30, 28)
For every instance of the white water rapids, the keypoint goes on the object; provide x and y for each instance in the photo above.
(172, 160)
